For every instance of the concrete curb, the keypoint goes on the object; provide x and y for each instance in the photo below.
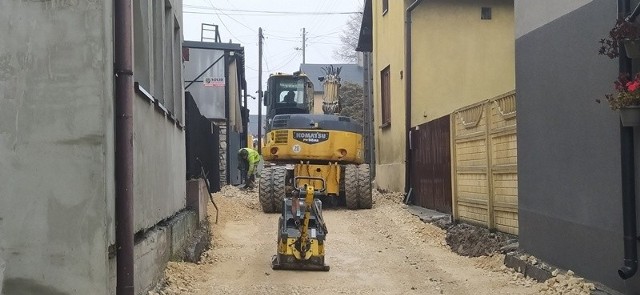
(541, 271)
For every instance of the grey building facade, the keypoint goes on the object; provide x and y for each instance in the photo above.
(57, 153)
(569, 150)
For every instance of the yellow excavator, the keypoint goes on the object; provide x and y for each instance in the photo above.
(300, 143)
(319, 156)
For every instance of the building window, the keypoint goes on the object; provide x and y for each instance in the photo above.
(485, 13)
(385, 97)
(385, 6)
(168, 58)
(178, 92)
(141, 47)
(158, 52)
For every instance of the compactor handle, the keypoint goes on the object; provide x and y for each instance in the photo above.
(295, 181)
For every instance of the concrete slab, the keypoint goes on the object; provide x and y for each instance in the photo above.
(174, 239)
(182, 228)
(151, 257)
(198, 198)
(427, 215)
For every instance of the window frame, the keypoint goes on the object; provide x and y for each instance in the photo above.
(385, 97)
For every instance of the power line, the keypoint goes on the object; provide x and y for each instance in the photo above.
(274, 12)
(258, 15)
(235, 20)
(297, 54)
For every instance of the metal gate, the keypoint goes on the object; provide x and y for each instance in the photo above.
(431, 165)
(202, 139)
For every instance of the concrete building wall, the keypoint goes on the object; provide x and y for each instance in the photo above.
(458, 58)
(388, 50)
(56, 151)
(160, 168)
(57, 141)
(569, 179)
(159, 144)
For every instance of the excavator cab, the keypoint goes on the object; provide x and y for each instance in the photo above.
(288, 94)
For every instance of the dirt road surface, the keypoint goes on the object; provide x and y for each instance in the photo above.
(384, 250)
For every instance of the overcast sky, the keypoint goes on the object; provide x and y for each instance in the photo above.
(282, 22)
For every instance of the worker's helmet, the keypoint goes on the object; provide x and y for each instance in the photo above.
(243, 153)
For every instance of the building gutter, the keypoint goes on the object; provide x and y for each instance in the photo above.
(407, 95)
(123, 71)
(629, 215)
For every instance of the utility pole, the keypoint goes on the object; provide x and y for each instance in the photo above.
(304, 45)
(260, 37)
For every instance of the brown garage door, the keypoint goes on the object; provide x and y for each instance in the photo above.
(431, 165)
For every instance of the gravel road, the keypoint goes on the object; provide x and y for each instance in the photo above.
(384, 250)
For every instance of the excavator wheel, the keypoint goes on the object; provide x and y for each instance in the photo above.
(279, 184)
(265, 191)
(272, 189)
(365, 199)
(351, 186)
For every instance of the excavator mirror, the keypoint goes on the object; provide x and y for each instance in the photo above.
(267, 98)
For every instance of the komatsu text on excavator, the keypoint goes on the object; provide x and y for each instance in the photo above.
(318, 156)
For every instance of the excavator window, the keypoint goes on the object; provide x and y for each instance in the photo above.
(288, 94)
(291, 97)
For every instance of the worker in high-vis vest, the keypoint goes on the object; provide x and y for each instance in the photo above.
(249, 160)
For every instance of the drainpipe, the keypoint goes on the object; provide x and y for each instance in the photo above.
(123, 70)
(628, 172)
(407, 94)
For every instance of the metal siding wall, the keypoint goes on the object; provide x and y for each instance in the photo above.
(210, 100)
(234, 145)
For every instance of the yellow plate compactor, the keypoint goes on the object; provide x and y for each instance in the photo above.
(301, 230)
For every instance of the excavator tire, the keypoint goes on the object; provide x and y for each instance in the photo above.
(364, 187)
(279, 186)
(351, 186)
(265, 191)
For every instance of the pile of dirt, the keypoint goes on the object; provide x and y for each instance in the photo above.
(387, 198)
(567, 284)
(473, 241)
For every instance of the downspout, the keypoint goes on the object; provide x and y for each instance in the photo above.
(245, 114)
(628, 171)
(407, 94)
(227, 114)
(123, 70)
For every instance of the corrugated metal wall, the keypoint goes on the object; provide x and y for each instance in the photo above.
(431, 165)
(485, 186)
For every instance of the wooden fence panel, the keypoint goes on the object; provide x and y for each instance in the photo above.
(485, 181)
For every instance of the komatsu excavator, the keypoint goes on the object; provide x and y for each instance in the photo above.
(309, 157)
